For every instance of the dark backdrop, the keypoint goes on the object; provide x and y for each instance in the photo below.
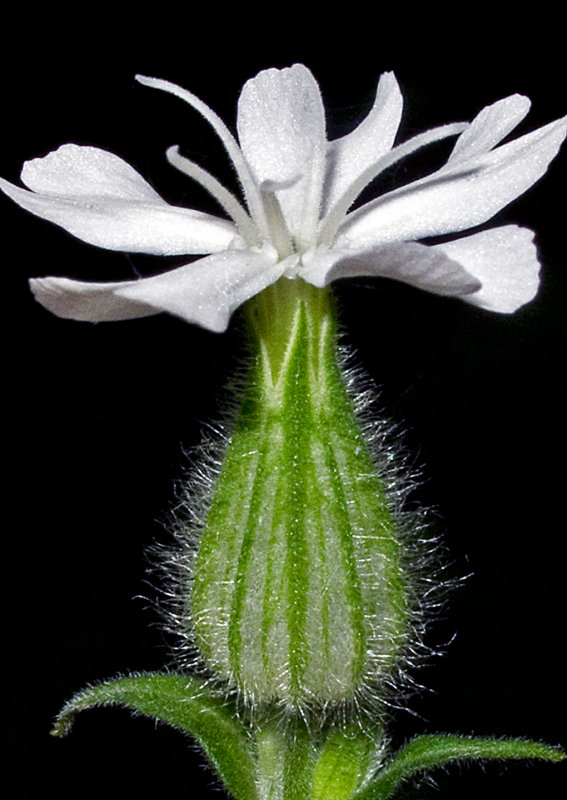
(97, 417)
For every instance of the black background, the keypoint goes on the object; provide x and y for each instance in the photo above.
(96, 417)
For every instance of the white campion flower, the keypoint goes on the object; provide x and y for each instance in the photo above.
(296, 221)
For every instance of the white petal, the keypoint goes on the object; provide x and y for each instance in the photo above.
(334, 220)
(87, 302)
(99, 198)
(490, 126)
(458, 196)
(281, 128)
(205, 292)
(280, 122)
(75, 170)
(348, 157)
(504, 260)
(417, 264)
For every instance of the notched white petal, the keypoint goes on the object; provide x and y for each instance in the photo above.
(76, 170)
(458, 196)
(506, 263)
(281, 128)
(409, 262)
(281, 121)
(205, 292)
(349, 156)
(490, 126)
(99, 198)
(86, 302)
(335, 218)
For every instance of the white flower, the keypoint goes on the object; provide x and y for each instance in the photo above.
(296, 222)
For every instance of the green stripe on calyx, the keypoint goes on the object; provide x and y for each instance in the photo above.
(299, 596)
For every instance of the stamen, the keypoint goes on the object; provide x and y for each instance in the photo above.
(226, 199)
(280, 236)
(334, 219)
(249, 186)
(314, 177)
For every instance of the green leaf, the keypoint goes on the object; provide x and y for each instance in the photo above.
(186, 704)
(429, 752)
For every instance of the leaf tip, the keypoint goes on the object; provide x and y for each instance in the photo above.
(61, 727)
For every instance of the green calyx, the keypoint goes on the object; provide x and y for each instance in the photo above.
(299, 595)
